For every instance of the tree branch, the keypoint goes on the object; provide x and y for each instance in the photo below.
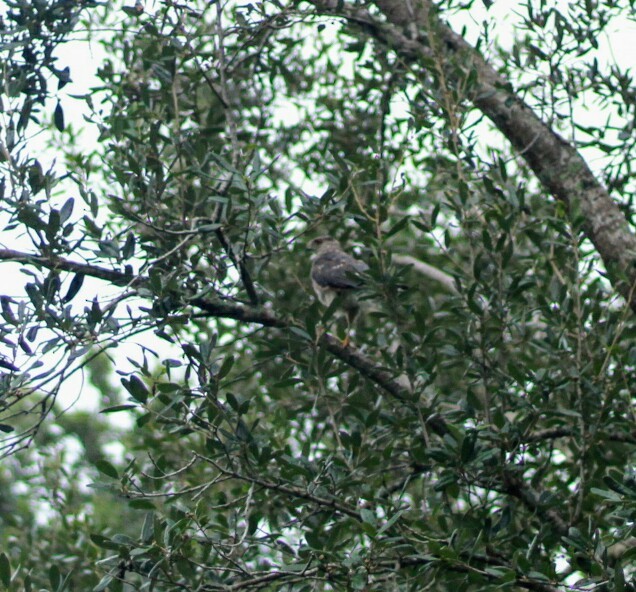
(298, 492)
(54, 262)
(353, 357)
(291, 490)
(556, 163)
(515, 487)
(428, 270)
(555, 433)
(239, 312)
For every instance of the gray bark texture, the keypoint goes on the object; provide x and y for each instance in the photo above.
(409, 26)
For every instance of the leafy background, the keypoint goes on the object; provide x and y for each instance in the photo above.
(478, 433)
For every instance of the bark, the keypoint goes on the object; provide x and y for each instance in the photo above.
(412, 28)
(216, 308)
(447, 281)
(55, 263)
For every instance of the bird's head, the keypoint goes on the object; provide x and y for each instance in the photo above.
(321, 244)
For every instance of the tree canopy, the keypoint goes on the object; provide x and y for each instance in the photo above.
(477, 432)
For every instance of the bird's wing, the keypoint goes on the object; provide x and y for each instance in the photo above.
(337, 270)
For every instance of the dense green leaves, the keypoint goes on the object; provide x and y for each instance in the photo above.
(478, 434)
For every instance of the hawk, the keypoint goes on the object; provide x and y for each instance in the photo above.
(335, 273)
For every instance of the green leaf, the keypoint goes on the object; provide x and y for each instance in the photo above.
(128, 250)
(133, 10)
(226, 366)
(148, 528)
(612, 482)
(29, 217)
(74, 288)
(103, 583)
(141, 504)
(67, 210)
(403, 223)
(315, 539)
(92, 228)
(58, 117)
(103, 466)
(5, 570)
(302, 333)
(55, 577)
(537, 575)
(389, 523)
(232, 401)
(468, 446)
(610, 495)
(136, 387)
(7, 312)
(116, 408)
(104, 542)
(368, 516)
(502, 574)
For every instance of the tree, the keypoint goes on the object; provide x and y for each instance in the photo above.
(478, 432)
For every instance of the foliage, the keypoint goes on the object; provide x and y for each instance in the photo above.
(479, 431)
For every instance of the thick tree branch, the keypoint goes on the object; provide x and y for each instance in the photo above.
(555, 433)
(351, 356)
(515, 487)
(53, 262)
(428, 270)
(247, 314)
(557, 164)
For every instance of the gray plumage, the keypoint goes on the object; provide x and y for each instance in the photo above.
(334, 272)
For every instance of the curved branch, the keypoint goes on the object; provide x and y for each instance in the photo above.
(516, 487)
(330, 502)
(287, 489)
(353, 357)
(265, 317)
(557, 164)
(53, 262)
(555, 433)
(428, 270)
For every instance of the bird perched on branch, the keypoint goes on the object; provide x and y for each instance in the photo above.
(334, 274)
